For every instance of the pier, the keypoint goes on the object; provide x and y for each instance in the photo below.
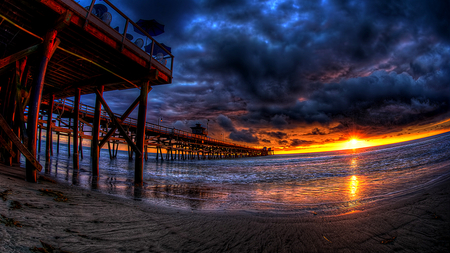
(52, 50)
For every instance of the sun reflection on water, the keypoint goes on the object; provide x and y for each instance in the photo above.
(353, 183)
(353, 187)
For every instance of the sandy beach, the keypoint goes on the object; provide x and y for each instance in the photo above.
(64, 218)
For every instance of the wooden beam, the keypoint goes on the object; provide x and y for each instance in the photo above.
(117, 123)
(63, 20)
(16, 142)
(140, 133)
(19, 55)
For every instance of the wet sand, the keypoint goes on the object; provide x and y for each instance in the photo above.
(93, 222)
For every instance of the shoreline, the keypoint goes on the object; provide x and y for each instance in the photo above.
(92, 221)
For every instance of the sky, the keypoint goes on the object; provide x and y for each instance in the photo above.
(300, 76)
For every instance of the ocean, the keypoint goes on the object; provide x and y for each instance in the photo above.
(330, 181)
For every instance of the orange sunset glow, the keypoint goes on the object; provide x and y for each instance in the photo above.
(363, 140)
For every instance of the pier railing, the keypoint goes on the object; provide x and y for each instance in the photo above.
(165, 63)
(89, 110)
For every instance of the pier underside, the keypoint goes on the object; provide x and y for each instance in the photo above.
(55, 49)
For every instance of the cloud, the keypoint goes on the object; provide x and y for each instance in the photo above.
(245, 135)
(277, 135)
(298, 142)
(226, 123)
(374, 65)
(316, 131)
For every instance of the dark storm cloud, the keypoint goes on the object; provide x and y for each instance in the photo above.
(226, 123)
(278, 135)
(278, 63)
(270, 55)
(298, 142)
(316, 131)
(245, 135)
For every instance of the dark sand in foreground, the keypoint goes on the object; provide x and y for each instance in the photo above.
(94, 222)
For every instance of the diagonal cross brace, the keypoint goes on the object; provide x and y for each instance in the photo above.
(122, 118)
(117, 123)
(15, 140)
(19, 55)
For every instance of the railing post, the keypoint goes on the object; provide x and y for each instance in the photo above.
(151, 54)
(124, 35)
(89, 14)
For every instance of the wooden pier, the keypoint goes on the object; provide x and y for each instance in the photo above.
(176, 144)
(54, 49)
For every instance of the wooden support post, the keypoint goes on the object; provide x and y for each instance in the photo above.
(17, 115)
(39, 138)
(76, 120)
(58, 137)
(130, 152)
(69, 137)
(49, 139)
(8, 103)
(140, 133)
(35, 103)
(109, 149)
(81, 127)
(8, 147)
(146, 152)
(95, 150)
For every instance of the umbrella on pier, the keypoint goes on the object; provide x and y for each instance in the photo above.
(158, 49)
(99, 10)
(128, 36)
(152, 27)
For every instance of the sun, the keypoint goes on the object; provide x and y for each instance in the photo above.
(354, 143)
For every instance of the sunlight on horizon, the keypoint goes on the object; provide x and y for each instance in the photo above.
(355, 143)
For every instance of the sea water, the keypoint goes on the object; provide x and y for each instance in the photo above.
(281, 183)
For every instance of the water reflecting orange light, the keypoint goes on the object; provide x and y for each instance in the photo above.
(353, 187)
